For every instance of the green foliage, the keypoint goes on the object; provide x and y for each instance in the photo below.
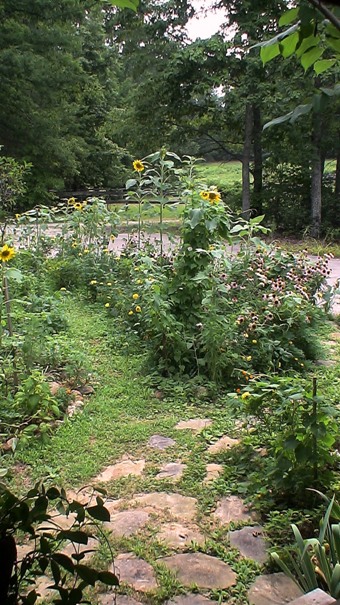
(298, 429)
(32, 515)
(315, 562)
(12, 182)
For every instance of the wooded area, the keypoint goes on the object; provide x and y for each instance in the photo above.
(87, 87)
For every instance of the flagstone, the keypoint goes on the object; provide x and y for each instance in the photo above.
(124, 468)
(213, 472)
(250, 542)
(224, 443)
(181, 507)
(273, 589)
(160, 443)
(117, 599)
(195, 424)
(190, 599)
(201, 570)
(71, 549)
(128, 522)
(172, 470)
(135, 572)
(232, 508)
(177, 535)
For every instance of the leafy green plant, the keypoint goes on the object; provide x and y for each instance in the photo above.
(297, 427)
(315, 562)
(32, 515)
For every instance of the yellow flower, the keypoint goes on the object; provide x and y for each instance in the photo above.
(109, 283)
(86, 251)
(139, 281)
(74, 245)
(245, 395)
(78, 206)
(17, 216)
(6, 253)
(138, 166)
(71, 201)
(107, 305)
(204, 195)
(214, 197)
(93, 282)
(135, 296)
(138, 309)
(254, 342)
(62, 289)
(248, 358)
(130, 313)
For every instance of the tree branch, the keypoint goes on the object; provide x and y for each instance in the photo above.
(326, 12)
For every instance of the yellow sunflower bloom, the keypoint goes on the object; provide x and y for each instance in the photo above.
(130, 313)
(107, 305)
(214, 197)
(245, 395)
(71, 201)
(135, 296)
(138, 166)
(204, 195)
(138, 309)
(6, 253)
(17, 216)
(78, 206)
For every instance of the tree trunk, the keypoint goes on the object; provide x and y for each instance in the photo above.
(258, 166)
(337, 174)
(248, 131)
(316, 180)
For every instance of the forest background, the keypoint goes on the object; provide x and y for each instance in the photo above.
(87, 87)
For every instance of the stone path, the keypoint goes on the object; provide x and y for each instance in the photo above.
(172, 520)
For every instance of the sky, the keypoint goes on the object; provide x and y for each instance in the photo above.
(202, 26)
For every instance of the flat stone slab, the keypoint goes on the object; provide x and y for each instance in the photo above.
(172, 470)
(213, 472)
(250, 542)
(112, 598)
(195, 424)
(160, 443)
(315, 597)
(135, 572)
(232, 508)
(71, 549)
(190, 599)
(326, 363)
(121, 469)
(182, 507)
(273, 589)
(177, 535)
(127, 522)
(225, 443)
(200, 570)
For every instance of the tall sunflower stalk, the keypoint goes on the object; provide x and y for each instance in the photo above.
(6, 254)
(139, 168)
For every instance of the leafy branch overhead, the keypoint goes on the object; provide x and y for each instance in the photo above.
(314, 41)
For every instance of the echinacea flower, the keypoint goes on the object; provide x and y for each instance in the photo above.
(6, 253)
(138, 166)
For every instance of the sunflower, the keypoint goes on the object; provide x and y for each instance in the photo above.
(138, 166)
(6, 253)
(138, 309)
(204, 195)
(214, 197)
(78, 206)
(71, 201)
